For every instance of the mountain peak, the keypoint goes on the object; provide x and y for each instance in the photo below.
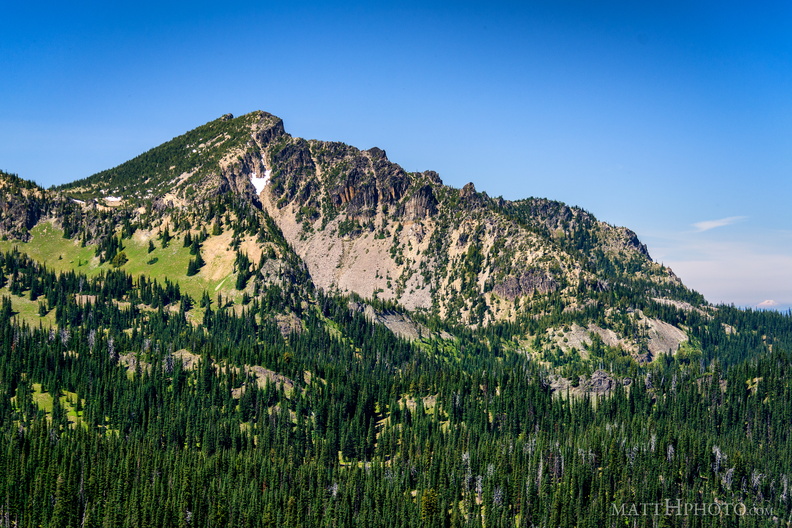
(364, 225)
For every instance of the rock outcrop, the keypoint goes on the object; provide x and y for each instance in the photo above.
(530, 282)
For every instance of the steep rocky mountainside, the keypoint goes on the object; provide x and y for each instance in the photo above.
(355, 222)
(242, 328)
(363, 224)
(23, 204)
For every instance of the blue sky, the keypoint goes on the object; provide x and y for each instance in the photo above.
(674, 119)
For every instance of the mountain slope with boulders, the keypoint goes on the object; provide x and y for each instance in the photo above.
(244, 328)
(362, 224)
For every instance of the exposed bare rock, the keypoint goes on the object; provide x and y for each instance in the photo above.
(662, 337)
(21, 207)
(433, 177)
(391, 180)
(132, 363)
(236, 177)
(682, 305)
(263, 377)
(422, 204)
(656, 337)
(394, 321)
(82, 300)
(188, 359)
(531, 281)
(360, 181)
(268, 129)
(468, 190)
(600, 383)
(292, 165)
(272, 270)
(288, 324)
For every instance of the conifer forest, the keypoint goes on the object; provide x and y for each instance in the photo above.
(177, 355)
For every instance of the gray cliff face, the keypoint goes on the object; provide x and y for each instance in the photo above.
(530, 282)
(236, 178)
(369, 181)
(18, 217)
(268, 129)
(421, 205)
(22, 205)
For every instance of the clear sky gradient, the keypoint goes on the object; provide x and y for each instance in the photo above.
(673, 119)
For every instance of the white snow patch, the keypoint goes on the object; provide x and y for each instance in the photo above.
(260, 183)
(112, 198)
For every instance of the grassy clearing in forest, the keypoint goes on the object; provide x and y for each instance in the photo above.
(28, 311)
(59, 254)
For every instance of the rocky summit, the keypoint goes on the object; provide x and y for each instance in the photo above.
(362, 224)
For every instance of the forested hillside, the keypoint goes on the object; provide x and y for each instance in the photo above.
(243, 328)
(126, 414)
